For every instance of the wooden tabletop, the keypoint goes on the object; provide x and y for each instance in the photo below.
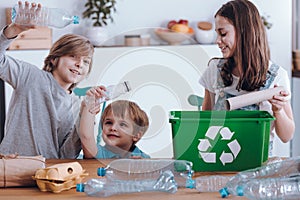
(91, 166)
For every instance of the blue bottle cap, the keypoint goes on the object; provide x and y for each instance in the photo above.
(13, 14)
(75, 20)
(80, 187)
(190, 183)
(101, 171)
(224, 192)
(240, 191)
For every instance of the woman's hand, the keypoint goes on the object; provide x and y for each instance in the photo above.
(279, 101)
(282, 111)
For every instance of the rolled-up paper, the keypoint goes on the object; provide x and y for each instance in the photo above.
(240, 101)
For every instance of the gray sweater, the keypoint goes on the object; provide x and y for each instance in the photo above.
(41, 118)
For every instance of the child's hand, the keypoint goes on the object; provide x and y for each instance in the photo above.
(28, 15)
(279, 101)
(22, 24)
(98, 92)
(94, 94)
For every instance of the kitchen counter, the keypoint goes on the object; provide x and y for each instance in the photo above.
(91, 165)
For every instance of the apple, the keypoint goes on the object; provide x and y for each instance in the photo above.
(180, 28)
(171, 23)
(183, 21)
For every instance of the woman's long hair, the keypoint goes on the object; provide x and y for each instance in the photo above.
(252, 52)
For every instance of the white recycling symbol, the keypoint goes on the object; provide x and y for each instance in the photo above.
(225, 157)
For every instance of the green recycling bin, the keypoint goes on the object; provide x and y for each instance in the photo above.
(221, 140)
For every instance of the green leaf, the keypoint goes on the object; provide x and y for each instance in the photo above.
(99, 11)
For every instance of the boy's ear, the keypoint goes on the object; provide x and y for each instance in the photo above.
(54, 61)
(137, 136)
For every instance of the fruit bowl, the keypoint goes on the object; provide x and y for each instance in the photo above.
(171, 37)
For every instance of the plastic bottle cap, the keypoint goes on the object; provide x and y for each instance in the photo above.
(224, 192)
(101, 171)
(80, 187)
(13, 14)
(240, 191)
(75, 20)
(190, 183)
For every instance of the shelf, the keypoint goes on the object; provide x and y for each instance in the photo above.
(157, 45)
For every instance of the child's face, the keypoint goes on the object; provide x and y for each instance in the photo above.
(226, 36)
(118, 132)
(71, 69)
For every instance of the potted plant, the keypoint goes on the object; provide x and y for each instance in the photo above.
(99, 12)
(266, 22)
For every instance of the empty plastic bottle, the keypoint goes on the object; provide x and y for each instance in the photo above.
(53, 17)
(112, 92)
(281, 169)
(142, 169)
(279, 188)
(209, 183)
(105, 188)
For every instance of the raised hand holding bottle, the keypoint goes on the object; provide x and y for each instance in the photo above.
(36, 15)
(105, 94)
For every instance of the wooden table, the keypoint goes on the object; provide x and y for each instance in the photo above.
(91, 165)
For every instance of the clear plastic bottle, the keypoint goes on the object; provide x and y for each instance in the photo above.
(53, 17)
(142, 169)
(279, 188)
(112, 92)
(281, 169)
(105, 188)
(209, 183)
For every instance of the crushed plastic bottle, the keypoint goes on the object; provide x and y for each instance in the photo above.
(279, 188)
(53, 17)
(209, 183)
(281, 169)
(105, 188)
(112, 92)
(142, 169)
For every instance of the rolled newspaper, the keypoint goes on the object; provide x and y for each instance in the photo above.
(240, 101)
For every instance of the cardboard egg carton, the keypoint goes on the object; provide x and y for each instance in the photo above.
(59, 177)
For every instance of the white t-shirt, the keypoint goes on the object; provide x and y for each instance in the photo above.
(209, 81)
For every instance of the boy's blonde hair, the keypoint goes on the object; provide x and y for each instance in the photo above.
(119, 108)
(69, 44)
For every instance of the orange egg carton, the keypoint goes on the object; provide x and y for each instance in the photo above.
(59, 177)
